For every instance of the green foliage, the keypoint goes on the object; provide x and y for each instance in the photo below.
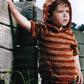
(73, 25)
(81, 28)
(21, 75)
(28, 76)
(24, 82)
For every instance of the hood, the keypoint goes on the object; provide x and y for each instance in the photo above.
(46, 7)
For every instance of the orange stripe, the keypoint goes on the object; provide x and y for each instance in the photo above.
(57, 36)
(54, 48)
(54, 54)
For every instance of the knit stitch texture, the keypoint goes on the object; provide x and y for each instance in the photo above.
(57, 49)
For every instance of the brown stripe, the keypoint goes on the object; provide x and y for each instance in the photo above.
(54, 48)
(55, 42)
(66, 73)
(54, 45)
(64, 76)
(62, 61)
(63, 67)
(63, 70)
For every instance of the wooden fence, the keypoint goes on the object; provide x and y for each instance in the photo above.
(18, 50)
(80, 39)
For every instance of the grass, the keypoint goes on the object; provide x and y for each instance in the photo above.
(22, 77)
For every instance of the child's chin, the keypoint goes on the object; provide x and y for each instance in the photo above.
(64, 25)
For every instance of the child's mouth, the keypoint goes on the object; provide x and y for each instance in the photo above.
(65, 20)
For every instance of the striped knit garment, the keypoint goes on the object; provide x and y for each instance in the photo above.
(56, 53)
(57, 49)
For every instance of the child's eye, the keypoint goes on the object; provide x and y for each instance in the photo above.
(60, 11)
(67, 11)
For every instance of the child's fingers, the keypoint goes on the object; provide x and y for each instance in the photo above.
(78, 80)
(11, 4)
(8, 0)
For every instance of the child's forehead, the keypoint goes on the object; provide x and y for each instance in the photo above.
(62, 5)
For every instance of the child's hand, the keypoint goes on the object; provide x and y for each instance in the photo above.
(80, 78)
(11, 5)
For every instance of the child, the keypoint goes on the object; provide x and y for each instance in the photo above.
(59, 63)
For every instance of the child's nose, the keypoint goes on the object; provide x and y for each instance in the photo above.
(65, 14)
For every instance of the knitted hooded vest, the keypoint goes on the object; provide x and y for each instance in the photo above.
(57, 49)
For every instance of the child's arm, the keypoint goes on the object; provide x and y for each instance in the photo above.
(19, 17)
(80, 76)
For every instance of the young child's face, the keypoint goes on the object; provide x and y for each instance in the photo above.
(61, 15)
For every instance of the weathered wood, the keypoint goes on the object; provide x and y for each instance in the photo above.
(4, 14)
(28, 9)
(82, 63)
(79, 36)
(80, 39)
(5, 37)
(23, 51)
(81, 50)
(5, 60)
(39, 14)
(83, 76)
